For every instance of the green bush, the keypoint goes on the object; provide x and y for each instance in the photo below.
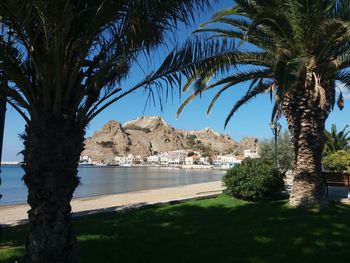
(337, 162)
(253, 180)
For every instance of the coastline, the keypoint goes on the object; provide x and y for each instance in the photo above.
(12, 215)
(183, 166)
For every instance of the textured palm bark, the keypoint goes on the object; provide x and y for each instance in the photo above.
(52, 149)
(306, 121)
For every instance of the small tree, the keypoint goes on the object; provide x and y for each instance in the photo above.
(337, 162)
(335, 141)
(65, 62)
(254, 179)
(285, 151)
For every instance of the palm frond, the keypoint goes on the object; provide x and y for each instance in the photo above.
(70, 56)
(258, 89)
(240, 77)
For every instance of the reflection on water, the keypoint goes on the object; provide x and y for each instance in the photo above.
(109, 180)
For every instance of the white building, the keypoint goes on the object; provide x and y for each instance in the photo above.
(138, 159)
(124, 160)
(226, 160)
(251, 153)
(204, 160)
(164, 159)
(85, 159)
(153, 159)
(177, 157)
(191, 160)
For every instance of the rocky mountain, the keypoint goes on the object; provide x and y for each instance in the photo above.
(150, 135)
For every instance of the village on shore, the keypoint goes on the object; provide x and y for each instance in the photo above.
(187, 159)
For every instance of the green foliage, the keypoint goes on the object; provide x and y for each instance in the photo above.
(285, 151)
(337, 162)
(335, 141)
(254, 179)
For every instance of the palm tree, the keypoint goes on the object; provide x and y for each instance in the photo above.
(336, 141)
(294, 50)
(64, 61)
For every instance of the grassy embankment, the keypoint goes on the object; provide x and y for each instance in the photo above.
(213, 230)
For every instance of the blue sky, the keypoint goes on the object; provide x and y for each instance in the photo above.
(251, 120)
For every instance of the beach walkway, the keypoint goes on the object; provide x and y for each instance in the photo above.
(11, 215)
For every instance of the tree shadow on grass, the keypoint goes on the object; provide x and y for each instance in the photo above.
(263, 232)
(216, 230)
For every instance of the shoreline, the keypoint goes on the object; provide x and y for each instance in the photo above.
(186, 167)
(12, 215)
(82, 196)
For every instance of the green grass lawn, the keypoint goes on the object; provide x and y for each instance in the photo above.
(221, 229)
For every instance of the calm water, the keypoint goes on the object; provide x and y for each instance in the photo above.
(109, 180)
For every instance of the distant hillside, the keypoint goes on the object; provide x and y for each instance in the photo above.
(149, 135)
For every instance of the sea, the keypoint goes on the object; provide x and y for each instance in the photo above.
(109, 180)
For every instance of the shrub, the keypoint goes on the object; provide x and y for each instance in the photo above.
(337, 162)
(254, 180)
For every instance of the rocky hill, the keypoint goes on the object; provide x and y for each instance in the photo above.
(150, 135)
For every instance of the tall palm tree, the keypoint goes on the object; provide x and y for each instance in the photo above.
(64, 61)
(294, 50)
(336, 141)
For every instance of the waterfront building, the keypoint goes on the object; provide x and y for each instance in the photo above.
(191, 160)
(124, 160)
(153, 159)
(164, 159)
(177, 157)
(251, 153)
(85, 159)
(239, 158)
(226, 160)
(138, 159)
(204, 160)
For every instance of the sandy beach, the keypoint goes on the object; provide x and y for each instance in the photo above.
(12, 215)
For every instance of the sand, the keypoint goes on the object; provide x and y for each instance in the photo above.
(11, 215)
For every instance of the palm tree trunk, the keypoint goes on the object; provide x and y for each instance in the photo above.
(306, 121)
(52, 149)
